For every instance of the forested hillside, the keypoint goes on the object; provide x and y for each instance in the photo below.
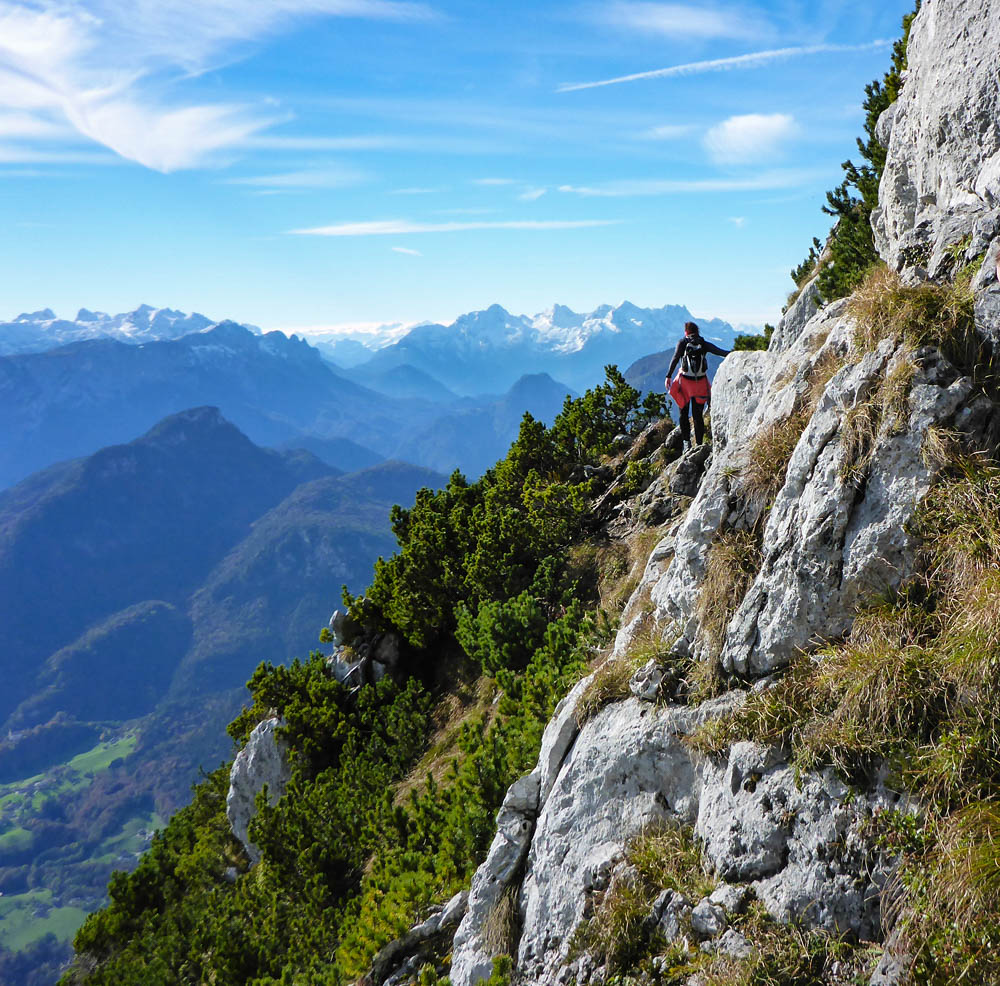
(495, 593)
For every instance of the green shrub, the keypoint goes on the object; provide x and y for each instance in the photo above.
(850, 250)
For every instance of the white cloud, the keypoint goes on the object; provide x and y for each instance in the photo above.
(532, 194)
(14, 154)
(682, 21)
(670, 131)
(493, 181)
(756, 59)
(32, 126)
(738, 221)
(749, 137)
(105, 70)
(413, 191)
(407, 251)
(637, 187)
(318, 178)
(395, 227)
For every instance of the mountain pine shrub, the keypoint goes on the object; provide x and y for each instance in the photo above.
(850, 249)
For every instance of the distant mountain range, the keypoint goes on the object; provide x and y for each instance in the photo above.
(441, 396)
(75, 399)
(489, 350)
(139, 588)
(35, 332)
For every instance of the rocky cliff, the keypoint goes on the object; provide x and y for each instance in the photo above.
(825, 448)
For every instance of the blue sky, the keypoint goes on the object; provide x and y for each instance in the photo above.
(302, 163)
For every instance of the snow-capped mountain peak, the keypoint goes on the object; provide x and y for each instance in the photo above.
(38, 331)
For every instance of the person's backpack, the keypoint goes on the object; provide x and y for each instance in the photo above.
(694, 363)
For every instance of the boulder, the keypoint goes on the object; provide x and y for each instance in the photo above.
(343, 627)
(645, 683)
(670, 914)
(628, 769)
(942, 171)
(262, 762)
(708, 920)
(986, 292)
(796, 317)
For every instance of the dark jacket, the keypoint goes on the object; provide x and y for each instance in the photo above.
(682, 345)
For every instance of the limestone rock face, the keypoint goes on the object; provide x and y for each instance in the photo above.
(834, 539)
(942, 172)
(627, 769)
(264, 760)
(796, 845)
(986, 292)
(796, 317)
(472, 955)
(836, 532)
(798, 842)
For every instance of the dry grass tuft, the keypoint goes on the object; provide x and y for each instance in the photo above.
(887, 408)
(618, 934)
(939, 315)
(769, 454)
(502, 927)
(610, 682)
(941, 449)
(732, 564)
(859, 431)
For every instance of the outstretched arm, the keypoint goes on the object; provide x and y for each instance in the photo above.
(712, 348)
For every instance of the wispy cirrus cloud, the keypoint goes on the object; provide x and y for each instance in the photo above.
(754, 59)
(641, 187)
(397, 227)
(487, 182)
(407, 250)
(532, 194)
(669, 131)
(108, 69)
(681, 21)
(749, 137)
(306, 178)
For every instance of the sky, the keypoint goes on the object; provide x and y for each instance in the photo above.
(302, 164)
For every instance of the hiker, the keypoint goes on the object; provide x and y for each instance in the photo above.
(690, 388)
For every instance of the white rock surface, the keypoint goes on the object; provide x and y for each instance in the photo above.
(795, 319)
(645, 683)
(830, 541)
(472, 957)
(942, 171)
(986, 290)
(264, 760)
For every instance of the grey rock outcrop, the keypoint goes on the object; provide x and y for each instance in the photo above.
(836, 533)
(472, 955)
(942, 173)
(796, 317)
(797, 845)
(986, 293)
(263, 761)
